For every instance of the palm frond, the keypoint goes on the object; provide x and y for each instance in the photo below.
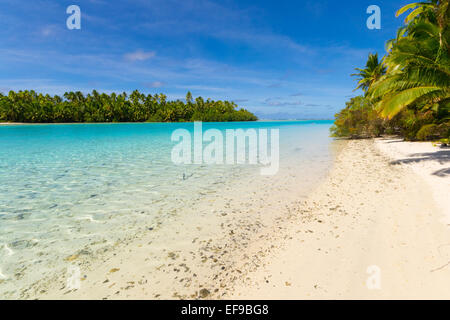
(398, 101)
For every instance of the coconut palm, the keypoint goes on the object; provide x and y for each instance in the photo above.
(435, 11)
(418, 8)
(418, 68)
(29, 106)
(371, 73)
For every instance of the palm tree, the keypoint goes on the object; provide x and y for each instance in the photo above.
(29, 106)
(418, 68)
(371, 73)
(436, 11)
(418, 8)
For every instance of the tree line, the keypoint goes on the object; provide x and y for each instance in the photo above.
(407, 92)
(32, 107)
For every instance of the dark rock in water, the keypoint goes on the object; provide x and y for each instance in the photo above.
(22, 216)
(186, 176)
(204, 293)
(22, 244)
(85, 252)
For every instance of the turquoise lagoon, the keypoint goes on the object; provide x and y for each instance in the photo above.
(67, 187)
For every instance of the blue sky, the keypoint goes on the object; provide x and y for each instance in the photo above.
(279, 59)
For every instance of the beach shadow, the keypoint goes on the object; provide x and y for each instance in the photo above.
(442, 156)
(442, 173)
(391, 139)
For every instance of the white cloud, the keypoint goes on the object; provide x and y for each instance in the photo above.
(48, 30)
(274, 102)
(200, 87)
(154, 84)
(139, 55)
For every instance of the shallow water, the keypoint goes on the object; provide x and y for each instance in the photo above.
(66, 188)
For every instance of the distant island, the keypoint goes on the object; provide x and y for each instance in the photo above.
(74, 107)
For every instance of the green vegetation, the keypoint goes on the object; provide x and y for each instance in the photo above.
(29, 106)
(408, 91)
(358, 119)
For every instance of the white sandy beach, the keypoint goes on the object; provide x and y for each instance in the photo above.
(372, 212)
(383, 205)
(427, 161)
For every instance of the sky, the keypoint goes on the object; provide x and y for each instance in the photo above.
(279, 59)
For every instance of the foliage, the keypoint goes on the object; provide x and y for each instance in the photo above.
(409, 90)
(358, 119)
(29, 106)
(373, 71)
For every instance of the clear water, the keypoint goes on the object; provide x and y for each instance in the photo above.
(65, 188)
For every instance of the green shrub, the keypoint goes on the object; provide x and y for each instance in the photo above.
(358, 120)
(428, 132)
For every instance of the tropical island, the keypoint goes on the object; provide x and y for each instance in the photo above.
(74, 107)
(105, 212)
(407, 92)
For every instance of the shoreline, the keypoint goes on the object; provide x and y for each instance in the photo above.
(368, 215)
(279, 243)
(210, 243)
(180, 122)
